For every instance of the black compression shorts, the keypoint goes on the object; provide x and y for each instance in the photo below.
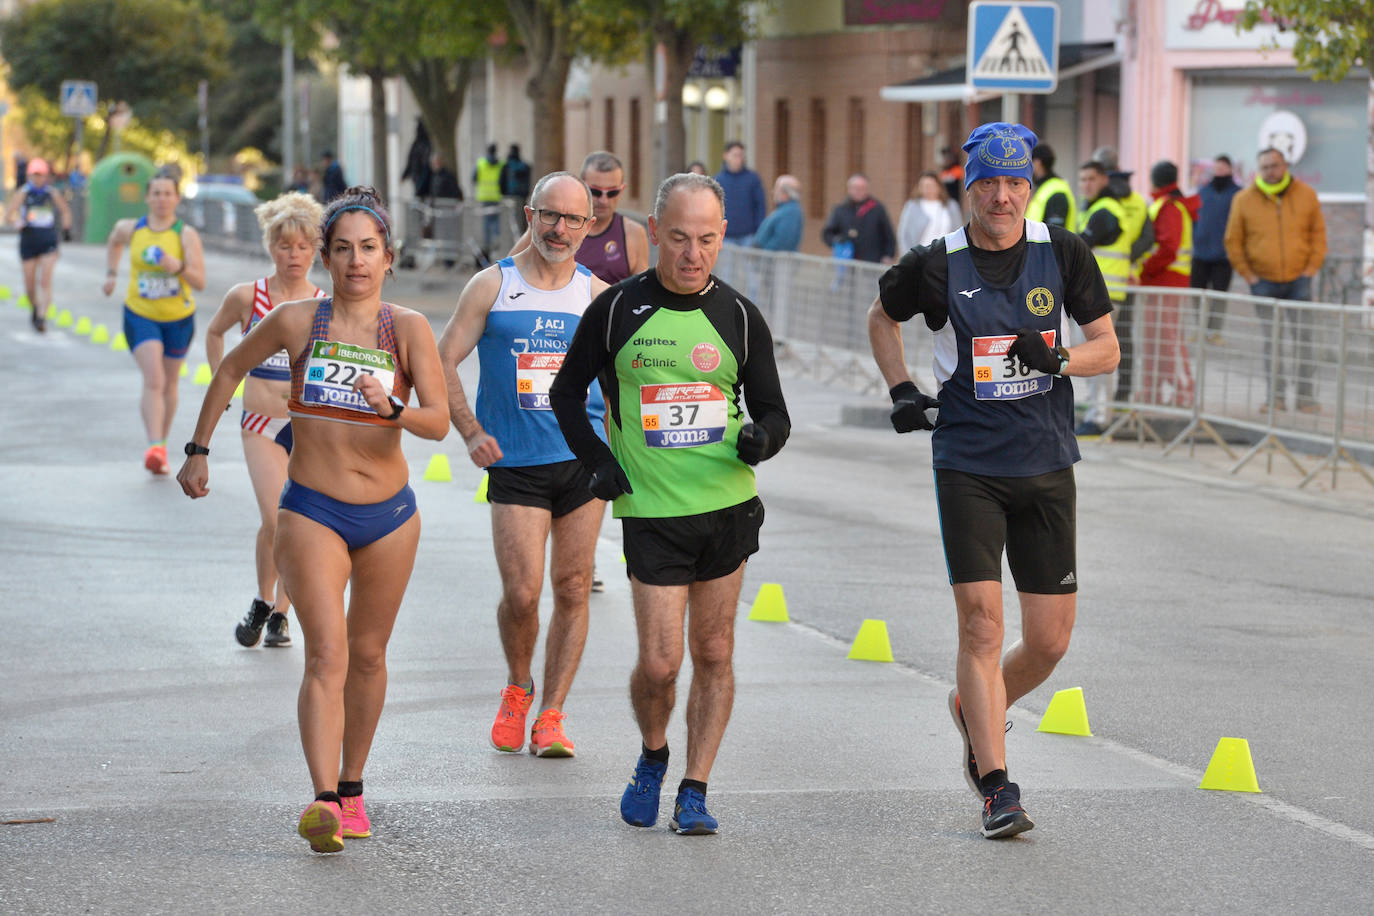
(560, 487)
(692, 548)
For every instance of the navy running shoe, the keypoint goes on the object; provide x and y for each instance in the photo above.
(690, 817)
(1003, 815)
(249, 632)
(278, 631)
(639, 803)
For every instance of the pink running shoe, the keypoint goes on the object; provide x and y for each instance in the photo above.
(508, 731)
(322, 824)
(547, 739)
(355, 822)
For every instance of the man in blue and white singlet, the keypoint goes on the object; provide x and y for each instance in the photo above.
(999, 293)
(519, 315)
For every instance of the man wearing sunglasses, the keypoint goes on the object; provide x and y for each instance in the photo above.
(615, 248)
(520, 314)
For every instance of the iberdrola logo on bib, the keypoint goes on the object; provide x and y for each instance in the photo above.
(705, 357)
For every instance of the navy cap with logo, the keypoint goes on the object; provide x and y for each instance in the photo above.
(997, 149)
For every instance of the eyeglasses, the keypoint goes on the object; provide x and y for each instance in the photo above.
(571, 220)
(611, 193)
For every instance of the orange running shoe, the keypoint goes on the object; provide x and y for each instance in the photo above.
(547, 738)
(355, 822)
(508, 731)
(155, 459)
(322, 824)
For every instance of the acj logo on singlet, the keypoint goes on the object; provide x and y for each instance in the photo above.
(539, 339)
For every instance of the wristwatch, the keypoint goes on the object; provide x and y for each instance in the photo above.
(397, 406)
(1063, 354)
(193, 449)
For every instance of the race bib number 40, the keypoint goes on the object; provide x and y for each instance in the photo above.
(682, 416)
(534, 374)
(334, 367)
(999, 376)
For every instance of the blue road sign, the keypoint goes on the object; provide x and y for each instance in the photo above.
(78, 98)
(1013, 47)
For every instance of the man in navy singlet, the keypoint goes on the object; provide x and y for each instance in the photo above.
(999, 293)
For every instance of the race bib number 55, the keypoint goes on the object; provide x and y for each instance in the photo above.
(334, 367)
(534, 374)
(682, 416)
(999, 376)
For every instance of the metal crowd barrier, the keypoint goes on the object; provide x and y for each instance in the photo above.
(1189, 376)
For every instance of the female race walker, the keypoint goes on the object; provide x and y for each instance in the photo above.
(348, 518)
(166, 262)
(291, 232)
(38, 207)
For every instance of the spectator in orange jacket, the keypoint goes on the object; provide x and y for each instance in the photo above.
(1276, 240)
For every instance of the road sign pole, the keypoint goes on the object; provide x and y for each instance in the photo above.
(1011, 108)
(288, 104)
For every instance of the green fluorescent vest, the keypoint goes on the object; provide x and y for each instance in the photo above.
(1043, 192)
(1113, 260)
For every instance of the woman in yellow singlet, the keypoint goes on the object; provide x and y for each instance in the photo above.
(347, 517)
(166, 262)
(291, 233)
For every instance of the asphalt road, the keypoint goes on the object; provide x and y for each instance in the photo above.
(165, 762)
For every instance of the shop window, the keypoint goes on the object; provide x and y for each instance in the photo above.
(815, 191)
(782, 133)
(635, 165)
(609, 145)
(854, 161)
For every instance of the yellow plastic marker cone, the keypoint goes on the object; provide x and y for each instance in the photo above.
(5, 292)
(24, 301)
(1067, 714)
(83, 326)
(438, 469)
(622, 557)
(769, 604)
(1231, 769)
(202, 376)
(50, 314)
(120, 342)
(238, 392)
(64, 318)
(871, 644)
(100, 334)
(481, 495)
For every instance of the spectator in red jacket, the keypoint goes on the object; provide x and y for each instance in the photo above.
(1165, 375)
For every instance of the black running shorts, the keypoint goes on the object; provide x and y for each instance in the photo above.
(1032, 517)
(560, 487)
(692, 548)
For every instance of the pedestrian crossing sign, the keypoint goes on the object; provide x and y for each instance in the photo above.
(78, 98)
(1013, 47)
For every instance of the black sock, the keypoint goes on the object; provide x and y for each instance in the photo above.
(692, 784)
(990, 781)
(351, 789)
(661, 755)
(329, 797)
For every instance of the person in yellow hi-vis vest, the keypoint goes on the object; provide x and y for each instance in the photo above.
(166, 262)
(1052, 201)
(1105, 226)
(1165, 377)
(487, 179)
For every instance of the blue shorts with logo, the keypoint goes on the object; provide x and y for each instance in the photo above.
(358, 525)
(175, 336)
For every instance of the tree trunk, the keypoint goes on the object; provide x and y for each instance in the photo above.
(440, 89)
(545, 90)
(380, 166)
(670, 138)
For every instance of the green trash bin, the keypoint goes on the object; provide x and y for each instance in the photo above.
(116, 191)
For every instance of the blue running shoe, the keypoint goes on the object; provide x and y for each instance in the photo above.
(690, 817)
(1003, 815)
(639, 804)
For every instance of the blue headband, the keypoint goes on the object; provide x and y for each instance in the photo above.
(999, 149)
(342, 210)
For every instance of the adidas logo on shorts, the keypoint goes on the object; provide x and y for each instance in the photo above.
(1070, 579)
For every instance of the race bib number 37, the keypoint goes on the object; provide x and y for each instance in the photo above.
(334, 367)
(534, 374)
(682, 416)
(998, 376)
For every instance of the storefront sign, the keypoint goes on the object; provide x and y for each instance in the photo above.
(884, 12)
(1212, 24)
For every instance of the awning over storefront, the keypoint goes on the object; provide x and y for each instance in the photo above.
(950, 85)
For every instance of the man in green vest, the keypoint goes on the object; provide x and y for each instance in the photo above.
(1052, 201)
(486, 177)
(1105, 226)
(1141, 233)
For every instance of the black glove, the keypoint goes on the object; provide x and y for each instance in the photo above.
(609, 480)
(752, 444)
(909, 407)
(1031, 349)
(66, 235)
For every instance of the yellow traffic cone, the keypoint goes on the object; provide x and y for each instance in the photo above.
(120, 342)
(871, 643)
(1231, 768)
(83, 326)
(203, 374)
(5, 293)
(481, 495)
(50, 314)
(100, 334)
(238, 392)
(24, 302)
(438, 469)
(64, 318)
(1066, 714)
(769, 605)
